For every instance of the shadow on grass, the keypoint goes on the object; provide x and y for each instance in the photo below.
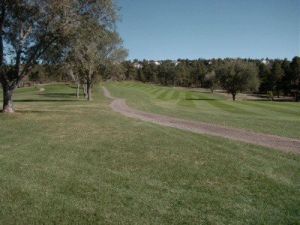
(201, 91)
(266, 98)
(20, 111)
(269, 100)
(45, 100)
(39, 111)
(201, 99)
(51, 97)
(58, 95)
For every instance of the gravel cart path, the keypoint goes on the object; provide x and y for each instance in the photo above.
(266, 140)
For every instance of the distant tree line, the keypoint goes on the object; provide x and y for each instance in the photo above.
(269, 77)
(272, 77)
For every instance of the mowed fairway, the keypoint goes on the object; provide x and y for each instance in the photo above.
(64, 161)
(278, 118)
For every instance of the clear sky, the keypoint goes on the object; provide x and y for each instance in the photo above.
(172, 29)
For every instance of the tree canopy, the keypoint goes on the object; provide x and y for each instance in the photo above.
(36, 31)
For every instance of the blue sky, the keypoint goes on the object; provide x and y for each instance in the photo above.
(172, 29)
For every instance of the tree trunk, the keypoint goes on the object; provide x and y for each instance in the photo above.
(233, 96)
(7, 99)
(78, 91)
(272, 95)
(2, 21)
(84, 90)
(89, 91)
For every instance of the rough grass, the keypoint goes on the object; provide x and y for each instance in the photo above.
(278, 118)
(64, 161)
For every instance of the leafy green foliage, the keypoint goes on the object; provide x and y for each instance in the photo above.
(272, 75)
(237, 77)
(35, 32)
(211, 80)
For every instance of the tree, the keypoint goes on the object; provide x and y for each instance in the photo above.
(149, 71)
(238, 76)
(286, 81)
(141, 76)
(264, 73)
(275, 77)
(197, 72)
(113, 71)
(166, 73)
(91, 53)
(211, 80)
(182, 77)
(27, 31)
(130, 70)
(295, 75)
(34, 30)
(69, 69)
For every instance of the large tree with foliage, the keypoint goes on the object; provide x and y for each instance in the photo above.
(238, 76)
(263, 74)
(32, 29)
(130, 70)
(166, 73)
(28, 30)
(198, 71)
(182, 75)
(90, 54)
(211, 81)
(275, 78)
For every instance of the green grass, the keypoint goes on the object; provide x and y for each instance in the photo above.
(64, 161)
(278, 118)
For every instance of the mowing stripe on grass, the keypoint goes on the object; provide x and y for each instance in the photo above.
(158, 93)
(155, 90)
(147, 88)
(126, 84)
(226, 107)
(209, 108)
(169, 95)
(181, 96)
(187, 101)
(151, 89)
(175, 95)
(142, 87)
(271, 141)
(163, 94)
(273, 108)
(200, 101)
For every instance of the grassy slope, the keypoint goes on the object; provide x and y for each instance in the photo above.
(279, 118)
(73, 162)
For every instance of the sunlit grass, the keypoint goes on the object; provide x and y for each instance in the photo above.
(64, 161)
(278, 118)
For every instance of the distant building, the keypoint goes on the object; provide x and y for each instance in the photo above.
(265, 61)
(137, 65)
(176, 62)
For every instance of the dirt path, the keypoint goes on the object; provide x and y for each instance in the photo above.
(271, 141)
